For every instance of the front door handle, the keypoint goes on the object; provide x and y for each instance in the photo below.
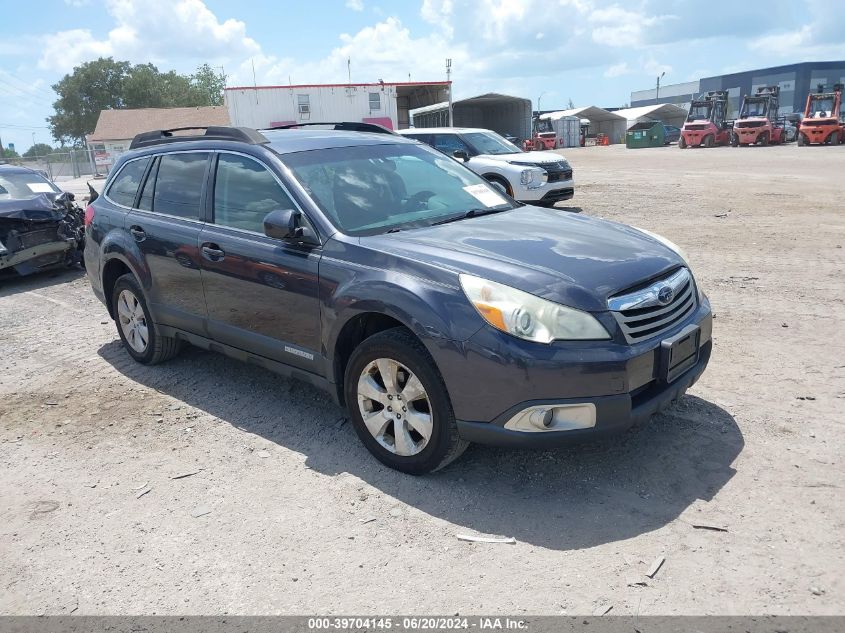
(212, 252)
(138, 233)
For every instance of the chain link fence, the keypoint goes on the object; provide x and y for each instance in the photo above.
(74, 163)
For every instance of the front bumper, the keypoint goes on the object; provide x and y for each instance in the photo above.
(499, 376)
(549, 193)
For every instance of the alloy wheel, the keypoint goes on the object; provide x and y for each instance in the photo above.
(133, 323)
(395, 407)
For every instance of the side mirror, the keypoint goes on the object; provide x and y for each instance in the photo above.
(499, 186)
(286, 224)
(461, 154)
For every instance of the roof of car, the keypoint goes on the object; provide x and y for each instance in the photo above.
(17, 169)
(288, 141)
(435, 130)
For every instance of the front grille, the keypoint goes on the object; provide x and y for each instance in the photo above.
(641, 314)
(742, 124)
(695, 127)
(557, 176)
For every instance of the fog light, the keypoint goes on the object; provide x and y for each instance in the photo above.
(554, 417)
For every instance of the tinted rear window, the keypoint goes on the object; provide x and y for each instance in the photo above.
(178, 186)
(125, 185)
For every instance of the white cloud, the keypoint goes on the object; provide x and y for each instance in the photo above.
(153, 30)
(355, 5)
(617, 70)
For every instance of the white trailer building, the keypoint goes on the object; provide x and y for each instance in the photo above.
(388, 104)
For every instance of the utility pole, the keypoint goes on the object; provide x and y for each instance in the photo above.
(538, 101)
(657, 94)
(349, 68)
(449, 80)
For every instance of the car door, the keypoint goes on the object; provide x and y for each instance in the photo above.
(261, 292)
(166, 226)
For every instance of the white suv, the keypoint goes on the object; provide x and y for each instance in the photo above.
(540, 178)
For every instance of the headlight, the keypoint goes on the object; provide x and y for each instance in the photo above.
(533, 178)
(667, 243)
(527, 316)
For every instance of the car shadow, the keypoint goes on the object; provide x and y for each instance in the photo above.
(569, 209)
(11, 283)
(570, 498)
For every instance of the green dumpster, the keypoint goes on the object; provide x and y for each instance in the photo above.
(645, 134)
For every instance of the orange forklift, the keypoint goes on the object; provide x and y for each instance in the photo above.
(823, 118)
(706, 124)
(757, 122)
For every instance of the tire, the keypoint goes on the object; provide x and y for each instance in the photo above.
(764, 139)
(503, 182)
(682, 144)
(708, 141)
(833, 139)
(409, 359)
(801, 140)
(157, 348)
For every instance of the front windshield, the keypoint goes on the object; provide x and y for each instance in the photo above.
(699, 112)
(371, 189)
(821, 108)
(490, 143)
(755, 107)
(18, 186)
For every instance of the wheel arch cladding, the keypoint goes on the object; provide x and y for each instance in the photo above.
(113, 270)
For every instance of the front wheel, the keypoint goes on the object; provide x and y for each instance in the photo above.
(801, 140)
(399, 404)
(834, 138)
(708, 141)
(764, 139)
(682, 144)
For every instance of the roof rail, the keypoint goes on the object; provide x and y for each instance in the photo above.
(346, 126)
(212, 133)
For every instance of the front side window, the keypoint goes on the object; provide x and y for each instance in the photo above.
(371, 189)
(490, 143)
(375, 101)
(245, 192)
(178, 186)
(125, 185)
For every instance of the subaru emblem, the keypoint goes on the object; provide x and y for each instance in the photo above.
(665, 295)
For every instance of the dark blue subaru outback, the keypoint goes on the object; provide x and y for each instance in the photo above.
(435, 308)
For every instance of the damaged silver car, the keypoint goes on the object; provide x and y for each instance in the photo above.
(41, 227)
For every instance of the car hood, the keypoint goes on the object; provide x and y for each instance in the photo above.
(570, 259)
(524, 158)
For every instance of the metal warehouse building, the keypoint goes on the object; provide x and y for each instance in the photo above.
(501, 113)
(795, 81)
(388, 104)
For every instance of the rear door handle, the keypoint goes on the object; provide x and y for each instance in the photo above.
(212, 252)
(138, 233)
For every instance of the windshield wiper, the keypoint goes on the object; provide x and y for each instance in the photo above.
(468, 214)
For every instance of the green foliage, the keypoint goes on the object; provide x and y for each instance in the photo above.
(104, 84)
(8, 153)
(39, 149)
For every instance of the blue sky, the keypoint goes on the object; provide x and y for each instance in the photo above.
(590, 51)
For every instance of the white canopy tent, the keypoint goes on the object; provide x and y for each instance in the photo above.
(668, 113)
(601, 121)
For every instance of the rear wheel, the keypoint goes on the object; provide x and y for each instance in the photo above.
(801, 140)
(708, 141)
(764, 139)
(399, 404)
(136, 327)
(833, 139)
(682, 143)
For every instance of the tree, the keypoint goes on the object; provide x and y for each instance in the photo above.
(208, 85)
(8, 153)
(92, 87)
(39, 149)
(105, 84)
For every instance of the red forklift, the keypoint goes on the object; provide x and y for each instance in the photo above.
(758, 119)
(823, 118)
(706, 124)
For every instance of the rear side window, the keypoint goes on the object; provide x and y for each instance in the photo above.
(449, 143)
(244, 192)
(125, 185)
(178, 185)
(146, 201)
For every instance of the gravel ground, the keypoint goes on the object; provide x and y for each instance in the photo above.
(283, 511)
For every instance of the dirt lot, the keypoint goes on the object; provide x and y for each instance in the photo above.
(286, 491)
